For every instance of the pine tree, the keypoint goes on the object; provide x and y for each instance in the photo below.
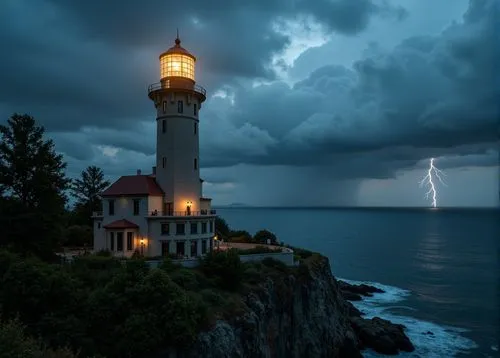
(87, 190)
(32, 186)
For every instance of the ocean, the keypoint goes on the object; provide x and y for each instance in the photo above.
(440, 268)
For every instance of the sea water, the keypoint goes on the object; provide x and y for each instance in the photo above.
(439, 269)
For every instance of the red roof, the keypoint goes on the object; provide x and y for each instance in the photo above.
(134, 185)
(121, 224)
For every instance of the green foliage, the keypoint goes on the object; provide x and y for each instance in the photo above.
(86, 191)
(78, 236)
(15, 343)
(262, 236)
(240, 236)
(277, 264)
(32, 183)
(221, 227)
(225, 267)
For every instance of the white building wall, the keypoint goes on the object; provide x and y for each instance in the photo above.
(124, 209)
(179, 145)
(156, 237)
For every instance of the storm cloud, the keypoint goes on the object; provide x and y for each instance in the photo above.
(82, 69)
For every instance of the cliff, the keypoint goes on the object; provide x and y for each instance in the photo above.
(300, 313)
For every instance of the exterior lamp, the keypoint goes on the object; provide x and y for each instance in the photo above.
(142, 246)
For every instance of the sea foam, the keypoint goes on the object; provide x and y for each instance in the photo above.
(444, 341)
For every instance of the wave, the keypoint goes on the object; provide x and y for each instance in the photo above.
(444, 341)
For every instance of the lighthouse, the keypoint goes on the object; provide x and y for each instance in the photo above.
(163, 213)
(177, 100)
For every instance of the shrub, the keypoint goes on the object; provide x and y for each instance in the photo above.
(262, 236)
(240, 236)
(276, 264)
(225, 266)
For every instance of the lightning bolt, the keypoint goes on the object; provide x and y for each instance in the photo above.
(429, 182)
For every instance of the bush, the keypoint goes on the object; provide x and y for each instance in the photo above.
(240, 236)
(276, 264)
(221, 227)
(225, 266)
(262, 236)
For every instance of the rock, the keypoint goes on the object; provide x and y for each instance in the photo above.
(381, 335)
(352, 292)
(353, 311)
(351, 296)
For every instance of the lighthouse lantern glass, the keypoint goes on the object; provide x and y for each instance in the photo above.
(177, 65)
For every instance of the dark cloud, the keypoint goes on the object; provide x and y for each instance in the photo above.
(82, 68)
(429, 95)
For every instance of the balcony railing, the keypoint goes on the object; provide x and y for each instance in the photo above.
(177, 84)
(183, 213)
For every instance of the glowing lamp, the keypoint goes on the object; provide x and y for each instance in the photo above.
(177, 62)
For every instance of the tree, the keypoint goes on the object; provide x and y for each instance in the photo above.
(86, 190)
(30, 170)
(262, 236)
(221, 227)
(32, 185)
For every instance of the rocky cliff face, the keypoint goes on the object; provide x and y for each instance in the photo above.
(297, 315)
(301, 315)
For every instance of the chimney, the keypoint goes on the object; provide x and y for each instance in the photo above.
(154, 170)
(138, 172)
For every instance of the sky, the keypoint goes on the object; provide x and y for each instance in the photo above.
(310, 103)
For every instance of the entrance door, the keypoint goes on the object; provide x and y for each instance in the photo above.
(168, 208)
(164, 248)
(188, 210)
(180, 248)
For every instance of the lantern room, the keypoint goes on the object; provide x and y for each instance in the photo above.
(177, 62)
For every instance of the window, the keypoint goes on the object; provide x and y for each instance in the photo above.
(112, 241)
(164, 248)
(163, 126)
(195, 109)
(203, 247)
(195, 163)
(99, 225)
(194, 228)
(111, 207)
(137, 203)
(180, 248)
(164, 162)
(165, 229)
(194, 248)
(164, 106)
(180, 107)
(211, 226)
(119, 241)
(180, 229)
(203, 228)
(195, 128)
(130, 241)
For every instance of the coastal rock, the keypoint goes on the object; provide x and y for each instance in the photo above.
(353, 292)
(381, 335)
(299, 315)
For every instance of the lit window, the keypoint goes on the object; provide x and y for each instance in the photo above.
(177, 65)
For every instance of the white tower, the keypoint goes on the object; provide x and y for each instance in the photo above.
(177, 100)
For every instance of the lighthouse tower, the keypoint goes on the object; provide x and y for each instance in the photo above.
(177, 99)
